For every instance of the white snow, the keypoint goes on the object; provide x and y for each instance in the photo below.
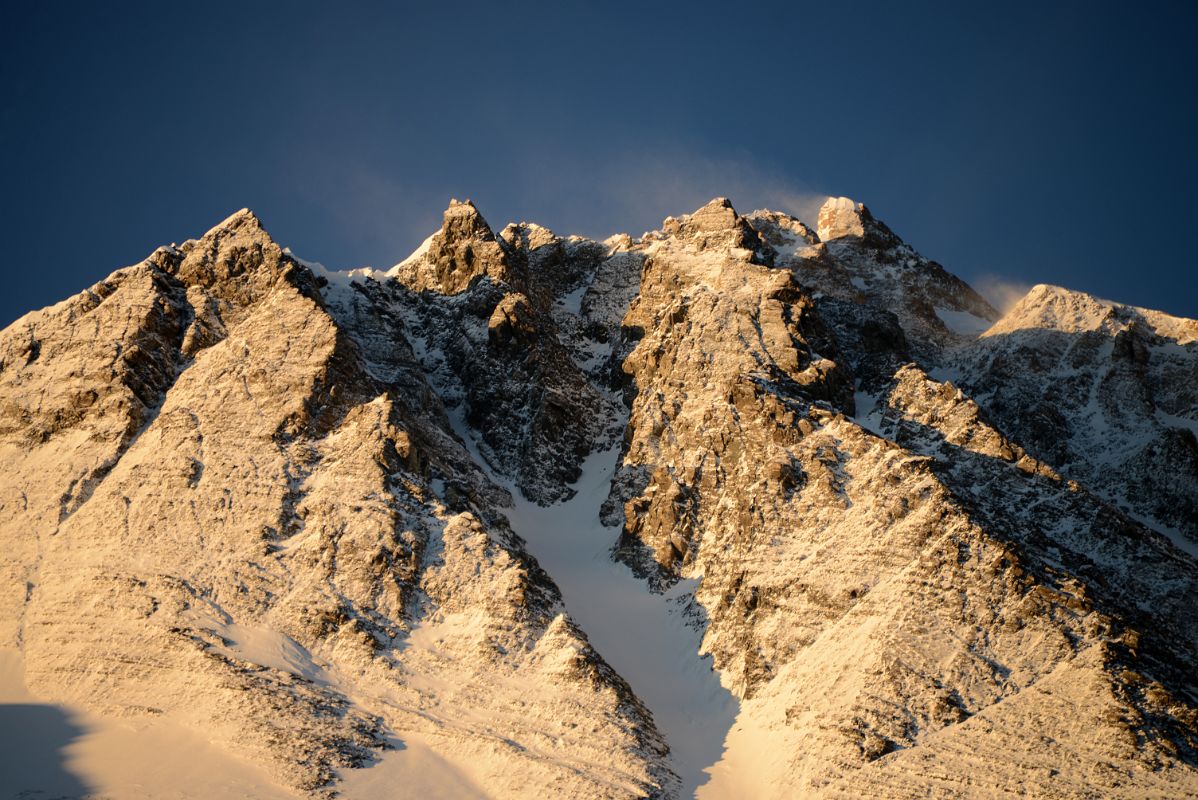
(1174, 536)
(947, 374)
(962, 322)
(49, 750)
(416, 254)
(339, 288)
(643, 636)
(1055, 308)
(792, 244)
(572, 302)
(411, 769)
(270, 648)
(1174, 421)
(869, 414)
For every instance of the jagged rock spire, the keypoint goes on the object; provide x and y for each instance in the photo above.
(840, 216)
(717, 215)
(236, 246)
(463, 220)
(890, 571)
(464, 249)
(715, 224)
(244, 219)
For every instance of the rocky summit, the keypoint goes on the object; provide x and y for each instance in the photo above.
(741, 508)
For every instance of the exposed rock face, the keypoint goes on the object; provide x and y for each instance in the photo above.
(512, 323)
(516, 357)
(273, 493)
(464, 249)
(1106, 393)
(271, 504)
(726, 360)
(813, 535)
(859, 260)
(840, 217)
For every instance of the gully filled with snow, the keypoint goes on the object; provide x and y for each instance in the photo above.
(644, 636)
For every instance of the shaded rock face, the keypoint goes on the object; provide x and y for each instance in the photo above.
(741, 332)
(1106, 393)
(514, 363)
(271, 505)
(512, 323)
(859, 260)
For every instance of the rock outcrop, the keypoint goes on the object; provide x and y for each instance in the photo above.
(280, 543)
(1106, 393)
(463, 250)
(272, 502)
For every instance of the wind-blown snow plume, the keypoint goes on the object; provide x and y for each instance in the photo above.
(320, 518)
(1002, 292)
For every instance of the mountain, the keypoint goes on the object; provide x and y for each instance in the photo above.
(740, 508)
(1098, 389)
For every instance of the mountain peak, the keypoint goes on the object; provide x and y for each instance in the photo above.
(240, 230)
(844, 218)
(716, 204)
(463, 217)
(527, 235)
(514, 491)
(462, 220)
(1054, 308)
(716, 215)
(1049, 307)
(841, 216)
(715, 224)
(465, 248)
(242, 220)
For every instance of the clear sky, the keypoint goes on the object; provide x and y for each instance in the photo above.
(1039, 142)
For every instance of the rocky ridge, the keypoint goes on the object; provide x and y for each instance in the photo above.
(316, 559)
(909, 558)
(1098, 389)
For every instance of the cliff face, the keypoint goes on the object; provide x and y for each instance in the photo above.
(883, 573)
(283, 506)
(220, 508)
(1104, 391)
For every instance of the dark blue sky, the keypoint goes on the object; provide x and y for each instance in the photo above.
(1039, 142)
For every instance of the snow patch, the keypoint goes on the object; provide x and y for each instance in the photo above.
(54, 750)
(869, 413)
(572, 302)
(410, 769)
(644, 636)
(962, 322)
(416, 255)
(269, 648)
(1174, 421)
(792, 244)
(338, 287)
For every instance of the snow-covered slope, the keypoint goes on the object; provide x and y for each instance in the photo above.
(1106, 393)
(531, 515)
(873, 598)
(856, 258)
(219, 512)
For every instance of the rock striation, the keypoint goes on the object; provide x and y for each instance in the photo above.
(930, 549)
